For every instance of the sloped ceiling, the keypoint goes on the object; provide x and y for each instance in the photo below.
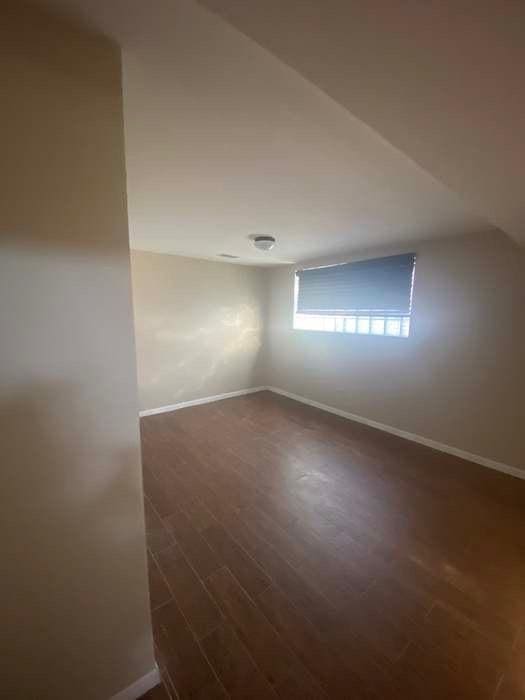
(226, 139)
(442, 80)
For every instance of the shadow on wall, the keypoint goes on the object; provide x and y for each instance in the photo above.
(75, 618)
(71, 528)
(225, 343)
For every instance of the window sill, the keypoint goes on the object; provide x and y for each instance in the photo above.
(377, 326)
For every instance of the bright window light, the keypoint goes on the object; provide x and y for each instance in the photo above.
(364, 325)
(368, 297)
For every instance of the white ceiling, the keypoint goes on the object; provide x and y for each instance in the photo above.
(442, 80)
(224, 140)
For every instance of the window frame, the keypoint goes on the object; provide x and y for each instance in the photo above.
(407, 318)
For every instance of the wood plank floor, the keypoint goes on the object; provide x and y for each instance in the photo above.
(294, 554)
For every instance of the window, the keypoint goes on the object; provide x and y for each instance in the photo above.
(369, 297)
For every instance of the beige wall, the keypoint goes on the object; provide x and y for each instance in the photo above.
(457, 379)
(198, 327)
(75, 619)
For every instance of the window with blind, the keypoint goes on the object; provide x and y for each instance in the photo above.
(372, 297)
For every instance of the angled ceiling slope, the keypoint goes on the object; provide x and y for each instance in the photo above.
(443, 81)
(224, 140)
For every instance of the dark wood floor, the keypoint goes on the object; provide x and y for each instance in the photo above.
(295, 554)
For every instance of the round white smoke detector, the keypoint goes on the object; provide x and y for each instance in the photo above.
(264, 242)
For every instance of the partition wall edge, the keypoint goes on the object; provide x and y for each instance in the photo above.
(75, 612)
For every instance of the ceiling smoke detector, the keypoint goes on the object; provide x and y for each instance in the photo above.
(264, 242)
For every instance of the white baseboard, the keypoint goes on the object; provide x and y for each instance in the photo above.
(140, 686)
(469, 456)
(477, 459)
(198, 402)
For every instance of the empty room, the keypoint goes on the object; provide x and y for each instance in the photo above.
(262, 291)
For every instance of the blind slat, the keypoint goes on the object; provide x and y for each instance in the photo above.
(381, 286)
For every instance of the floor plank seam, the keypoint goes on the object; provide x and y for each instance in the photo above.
(463, 607)
(190, 627)
(197, 640)
(498, 686)
(203, 582)
(261, 611)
